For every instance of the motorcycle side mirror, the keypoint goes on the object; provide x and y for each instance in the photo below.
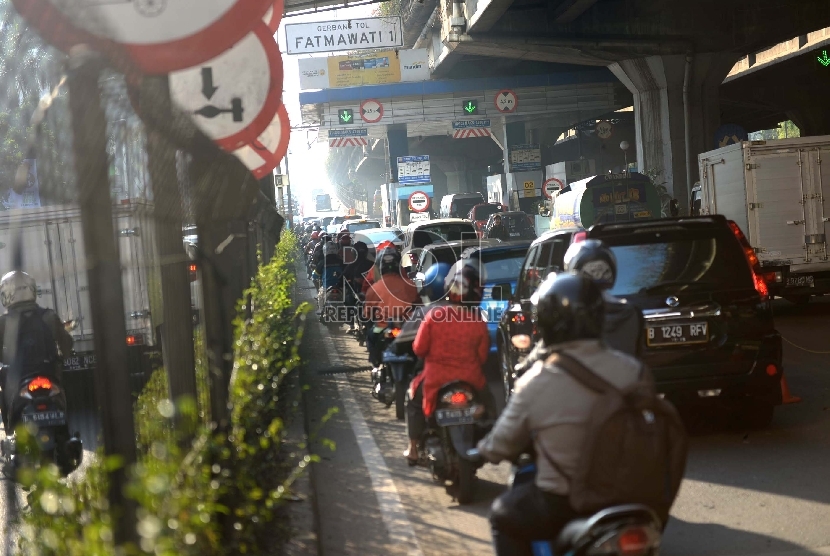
(70, 325)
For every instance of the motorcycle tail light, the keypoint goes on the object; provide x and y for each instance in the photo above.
(39, 383)
(634, 542)
(457, 397)
(135, 340)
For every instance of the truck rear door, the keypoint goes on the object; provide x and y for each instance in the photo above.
(774, 197)
(68, 240)
(814, 177)
(37, 257)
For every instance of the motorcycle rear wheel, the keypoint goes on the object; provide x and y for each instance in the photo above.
(466, 481)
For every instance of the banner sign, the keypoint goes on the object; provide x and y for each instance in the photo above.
(351, 34)
(467, 124)
(377, 68)
(356, 132)
(413, 169)
(525, 157)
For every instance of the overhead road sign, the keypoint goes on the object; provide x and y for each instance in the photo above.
(349, 34)
(729, 134)
(470, 107)
(463, 129)
(354, 137)
(506, 101)
(371, 111)
(356, 70)
(234, 96)
(156, 36)
(264, 153)
(413, 169)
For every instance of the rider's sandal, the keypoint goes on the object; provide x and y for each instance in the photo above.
(409, 460)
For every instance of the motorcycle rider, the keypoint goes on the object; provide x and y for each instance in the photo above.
(330, 267)
(623, 327)
(550, 409)
(18, 292)
(432, 294)
(454, 343)
(389, 298)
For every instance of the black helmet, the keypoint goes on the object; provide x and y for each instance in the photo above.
(389, 261)
(361, 248)
(594, 259)
(569, 306)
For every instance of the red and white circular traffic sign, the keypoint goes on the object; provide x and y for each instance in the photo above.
(273, 16)
(419, 202)
(551, 185)
(264, 154)
(234, 96)
(371, 111)
(159, 36)
(506, 101)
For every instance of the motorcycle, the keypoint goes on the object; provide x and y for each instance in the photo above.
(330, 297)
(460, 421)
(383, 384)
(404, 366)
(40, 404)
(622, 530)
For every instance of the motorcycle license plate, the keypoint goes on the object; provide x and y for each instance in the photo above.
(447, 417)
(677, 334)
(45, 418)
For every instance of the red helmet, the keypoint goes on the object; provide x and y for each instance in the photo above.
(384, 245)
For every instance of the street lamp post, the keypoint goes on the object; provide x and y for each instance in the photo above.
(624, 146)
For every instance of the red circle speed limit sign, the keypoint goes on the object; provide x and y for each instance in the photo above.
(506, 101)
(419, 202)
(552, 185)
(371, 111)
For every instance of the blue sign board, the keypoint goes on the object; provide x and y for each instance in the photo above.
(467, 124)
(359, 132)
(413, 169)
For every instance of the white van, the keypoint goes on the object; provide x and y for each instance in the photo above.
(457, 205)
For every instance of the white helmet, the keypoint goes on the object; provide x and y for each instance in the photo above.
(16, 287)
(331, 248)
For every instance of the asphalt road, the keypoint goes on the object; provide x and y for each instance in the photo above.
(746, 493)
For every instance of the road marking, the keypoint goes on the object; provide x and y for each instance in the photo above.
(391, 509)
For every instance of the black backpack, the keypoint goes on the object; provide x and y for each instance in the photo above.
(36, 348)
(634, 450)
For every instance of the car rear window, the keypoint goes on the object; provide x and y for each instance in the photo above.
(657, 262)
(362, 226)
(447, 232)
(483, 212)
(516, 222)
(503, 266)
(376, 238)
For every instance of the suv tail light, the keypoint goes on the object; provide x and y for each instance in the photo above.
(579, 237)
(752, 259)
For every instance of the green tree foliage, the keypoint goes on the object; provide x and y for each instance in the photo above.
(218, 495)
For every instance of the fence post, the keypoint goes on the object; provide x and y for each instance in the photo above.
(111, 372)
(177, 329)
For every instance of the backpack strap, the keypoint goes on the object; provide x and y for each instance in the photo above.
(579, 372)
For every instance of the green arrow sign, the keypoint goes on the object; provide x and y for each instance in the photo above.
(824, 59)
(346, 116)
(470, 107)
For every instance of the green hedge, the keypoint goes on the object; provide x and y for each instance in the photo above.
(219, 495)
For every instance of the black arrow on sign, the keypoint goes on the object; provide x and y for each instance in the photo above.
(207, 83)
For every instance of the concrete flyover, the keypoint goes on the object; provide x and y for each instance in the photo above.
(672, 56)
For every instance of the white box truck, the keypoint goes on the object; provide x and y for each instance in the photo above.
(774, 191)
(52, 243)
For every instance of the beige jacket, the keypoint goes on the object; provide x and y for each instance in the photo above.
(554, 407)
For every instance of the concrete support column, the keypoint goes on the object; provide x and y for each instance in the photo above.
(657, 85)
(398, 146)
